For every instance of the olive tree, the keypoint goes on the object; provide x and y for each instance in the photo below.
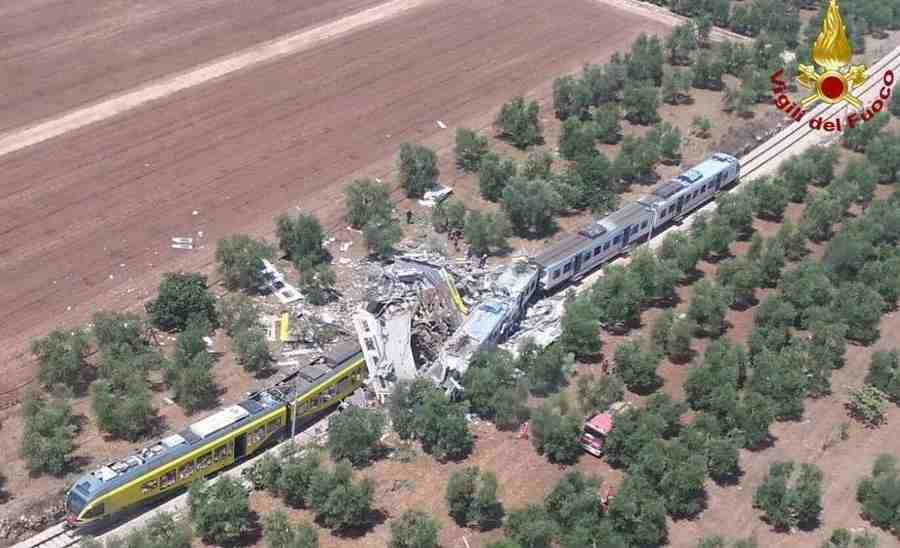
(239, 261)
(470, 149)
(414, 529)
(518, 123)
(418, 169)
(48, 436)
(366, 200)
(182, 297)
(301, 239)
(61, 357)
(355, 434)
(471, 497)
(220, 511)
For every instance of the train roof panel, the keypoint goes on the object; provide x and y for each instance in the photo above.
(627, 215)
(304, 378)
(593, 230)
(564, 248)
(218, 421)
(173, 441)
(650, 200)
(692, 175)
(668, 189)
(708, 168)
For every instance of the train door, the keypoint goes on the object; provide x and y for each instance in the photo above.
(679, 205)
(625, 237)
(240, 447)
(718, 182)
(578, 263)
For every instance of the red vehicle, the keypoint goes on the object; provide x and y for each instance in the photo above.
(598, 426)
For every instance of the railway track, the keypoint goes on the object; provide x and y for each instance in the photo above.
(54, 537)
(797, 131)
(760, 160)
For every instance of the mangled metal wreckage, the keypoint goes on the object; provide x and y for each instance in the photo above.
(413, 325)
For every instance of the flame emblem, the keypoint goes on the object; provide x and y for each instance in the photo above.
(832, 53)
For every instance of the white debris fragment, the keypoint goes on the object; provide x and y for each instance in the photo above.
(111, 277)
(195, 212)
(377, 180)
(434, 197)
(344, 260)
(68, 308)
(345, 246)
(441, 124)
(200, 233)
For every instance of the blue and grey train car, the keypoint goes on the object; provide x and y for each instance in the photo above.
(678, 197)
(602, 240)
(578, 254)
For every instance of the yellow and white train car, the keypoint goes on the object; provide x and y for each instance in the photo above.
(217, 441)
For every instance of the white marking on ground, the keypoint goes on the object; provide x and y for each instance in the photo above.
(268, 51)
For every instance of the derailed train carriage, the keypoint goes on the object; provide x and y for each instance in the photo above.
(574, 256)
(216, 442)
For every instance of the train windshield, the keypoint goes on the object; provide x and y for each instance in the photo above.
(75, 503)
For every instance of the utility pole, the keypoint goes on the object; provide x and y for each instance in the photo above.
(652, 225)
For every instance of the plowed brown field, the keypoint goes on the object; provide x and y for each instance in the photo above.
(86, 217)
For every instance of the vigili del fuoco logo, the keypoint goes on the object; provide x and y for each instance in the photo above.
(833, 81)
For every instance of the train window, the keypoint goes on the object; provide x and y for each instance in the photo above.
(617, 239)
(643, 225)
(556, 274)
(274, 425)
(149, 486)
(606, 246)
(597, 250)
(220, 453)
(257, 435)
(94, 512)
(204, 460)
(186, 470)
(167, 479)
(703, 189)
(567, 268)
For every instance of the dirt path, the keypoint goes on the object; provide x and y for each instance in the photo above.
(61, 55)
(665, 16)
(271, 51)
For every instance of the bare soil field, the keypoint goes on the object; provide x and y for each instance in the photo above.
(90, 228)
(58, 54)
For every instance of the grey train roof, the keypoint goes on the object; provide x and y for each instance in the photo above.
(633, 212)
(560, 250)
(214, 427)
(627, 215)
